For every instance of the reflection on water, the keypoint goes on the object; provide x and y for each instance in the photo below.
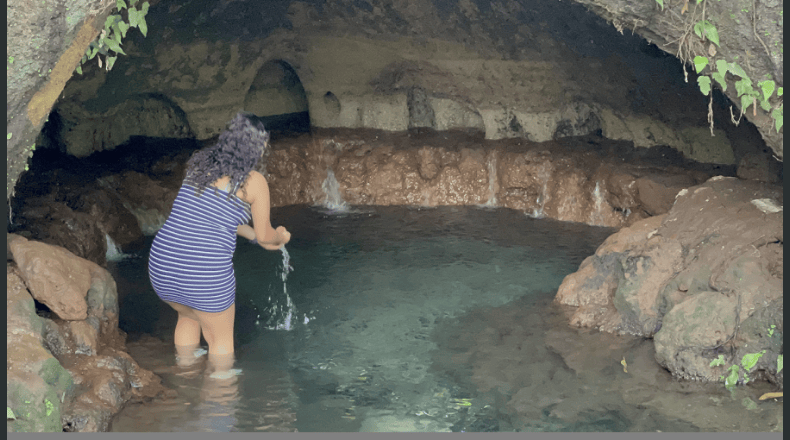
(433, 319)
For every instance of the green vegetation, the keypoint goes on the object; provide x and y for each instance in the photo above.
(733, 375)
(108, 45)
(748, 362)
(748, 94)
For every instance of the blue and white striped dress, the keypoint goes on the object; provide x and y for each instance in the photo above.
(191, 260)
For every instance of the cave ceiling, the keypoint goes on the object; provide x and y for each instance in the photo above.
(535, 69)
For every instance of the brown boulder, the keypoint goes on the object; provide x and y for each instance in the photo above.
(657, 192)
(54, 276)
(702, 279)
(759, 167)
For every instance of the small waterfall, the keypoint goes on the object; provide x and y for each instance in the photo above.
(113, 251)
(541, 201)
(544, 194)
(492, 201)
(333, 200)
(596, 216)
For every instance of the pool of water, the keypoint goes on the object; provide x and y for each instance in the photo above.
(415, 319)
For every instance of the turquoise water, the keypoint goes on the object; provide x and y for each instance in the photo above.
(403, 319)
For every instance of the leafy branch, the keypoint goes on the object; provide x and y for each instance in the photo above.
(744, 86)
(108, 45)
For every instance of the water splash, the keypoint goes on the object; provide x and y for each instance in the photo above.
(286, 264)
(113, 253)
(283, 318)
(333, 200)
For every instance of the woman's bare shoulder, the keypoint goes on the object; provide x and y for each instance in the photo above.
(255, 185)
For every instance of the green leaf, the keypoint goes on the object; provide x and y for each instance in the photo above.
(777, 115)
(746, 101)
(120, 4)
(712, 33)
(110, 62)
(719, 77)
(698, 29)
(143, 26)
(750, 360)
(145, 8)
(133, 2)
(114, 45)
(732, 378)
(768, 88)
(700, 63)
(660, 3)
(718, 361)
(779, 91)
(92, 51)
(737, 70)
(744, 86)
(116, 33)
(706, 29)
(133, 14)
(112, 20)
(765, 105)
(79, 70)
(704, 84)
(123, 27)
(722, 66)
(10, 413)
(9, 136)
(779, 359)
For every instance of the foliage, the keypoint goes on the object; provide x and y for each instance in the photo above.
(108, 45)
(732, 376)
(749, 95)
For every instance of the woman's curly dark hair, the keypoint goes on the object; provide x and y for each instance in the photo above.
(237, 152)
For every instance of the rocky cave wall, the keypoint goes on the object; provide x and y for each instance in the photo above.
(531, 69)
(499, 70)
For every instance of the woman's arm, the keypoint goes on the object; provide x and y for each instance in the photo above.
(257, 192)
(246, 231)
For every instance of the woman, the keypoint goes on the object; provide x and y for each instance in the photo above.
(191, 260)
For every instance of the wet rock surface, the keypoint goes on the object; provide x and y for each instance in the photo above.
(68, 369)
(701, 280)
(650, 279)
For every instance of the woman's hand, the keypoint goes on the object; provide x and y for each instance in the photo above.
(285, 237)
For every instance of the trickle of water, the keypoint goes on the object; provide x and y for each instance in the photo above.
(543, 196)
(596, 217)
(113, 251)
(286, 264)
(492, 202)
(331, 187)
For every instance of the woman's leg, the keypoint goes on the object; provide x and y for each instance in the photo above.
(188, 326)
(218, 330)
